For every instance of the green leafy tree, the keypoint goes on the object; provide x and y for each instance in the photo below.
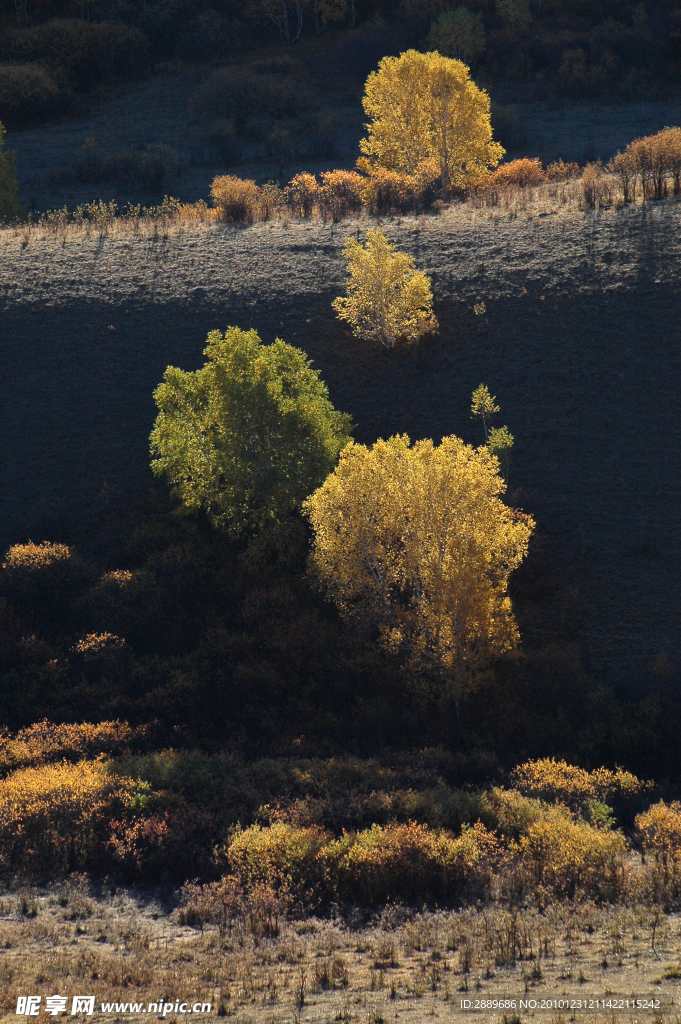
(500, 443)
(459, 34)
(10, 207)
(483, 407)
(248, 436)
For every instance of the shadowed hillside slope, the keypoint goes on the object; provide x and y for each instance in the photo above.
(580, 344)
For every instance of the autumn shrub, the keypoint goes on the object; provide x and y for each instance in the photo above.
(53, 818)
(386, 191)
(407, 862)
(159, 844)
(302, 194)
(509, 813)
(568, 857)
(226, 904)
(411, 863)
(340, 194)
(559, 782)
(28, 93)
(45, 742)
(272, 200)
(561, 171)
(237, 199)
(43, 580)
(596, 186)
(283, 857)
(653, 162)
(659, 832)
(523, 173)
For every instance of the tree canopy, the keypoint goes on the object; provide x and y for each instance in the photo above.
(248, 436)
(424, 106)
(418, 539)
(387, 297)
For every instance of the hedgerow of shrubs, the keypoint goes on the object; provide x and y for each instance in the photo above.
(160, 816)
(42, 65)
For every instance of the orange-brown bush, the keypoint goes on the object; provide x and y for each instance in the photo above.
(560, 171)
(237, 199)
(173, 842)
(523, 173)
(386, 191)
(45, 742)
(226, 904)
(653, 162)
(596, 186)
(302, 194)
(52, 818)
(340, 194)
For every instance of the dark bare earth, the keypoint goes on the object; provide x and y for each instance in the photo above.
(580, 344)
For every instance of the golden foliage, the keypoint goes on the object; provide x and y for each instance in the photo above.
(412, 862)
(418, 539)
(387, 298)
(340, 193)
(659, 830)
(565, 783)
(35, 557)
(235, 198)
(44, 742)
(46, 572)
(423, 106)
(302, 194)
(654, 162)
(568, 856)
(521, 173)
(51, 817)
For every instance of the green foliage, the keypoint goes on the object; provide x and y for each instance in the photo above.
(500, 443)
(10, 207)
(249, 436)
(459, 34)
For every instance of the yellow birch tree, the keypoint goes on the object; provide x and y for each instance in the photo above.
(423, 106)
(418, 539)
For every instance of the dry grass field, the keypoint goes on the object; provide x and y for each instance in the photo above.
(580, 343)
(127, 946)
